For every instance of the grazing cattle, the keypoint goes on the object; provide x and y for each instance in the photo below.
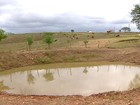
(74, 36)
(109, 31)
(71, 38)
(77, 37)
(92, 37)
(55, 40)
(118, 35)
(139, 35)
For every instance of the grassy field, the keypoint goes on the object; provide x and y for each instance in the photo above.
(18, 42)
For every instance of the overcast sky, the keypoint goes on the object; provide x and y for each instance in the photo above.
(23, 16)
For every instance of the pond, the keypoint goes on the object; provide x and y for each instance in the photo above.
(81, 80)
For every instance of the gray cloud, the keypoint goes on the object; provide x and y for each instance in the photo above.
(13, 18)
(27, 22)
(23, 22)
(122, 21)
(8, 7)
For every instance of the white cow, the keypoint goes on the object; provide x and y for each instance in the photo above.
(139, 35)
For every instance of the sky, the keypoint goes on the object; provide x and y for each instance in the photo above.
(27, 16)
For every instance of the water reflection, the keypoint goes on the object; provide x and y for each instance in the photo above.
(71, 81)
(48, 76)
(85, 70)
(3, 87)
(135, 83)
(30, 77)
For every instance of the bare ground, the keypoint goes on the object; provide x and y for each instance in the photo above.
(23, 58)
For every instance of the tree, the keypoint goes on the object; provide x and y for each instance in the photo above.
(85, 42)
(48, 38)
(126, 29)
(2, 34)
(72, 30)
(29, 42)
(135, 13)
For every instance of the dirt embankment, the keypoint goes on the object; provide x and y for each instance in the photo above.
(10, 60)
(23, 58)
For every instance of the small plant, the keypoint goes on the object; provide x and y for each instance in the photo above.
(2, 34)
(42, 60)
(98, 44)
(68, 42)
(29, 42)
(48, 38)
(85, 42)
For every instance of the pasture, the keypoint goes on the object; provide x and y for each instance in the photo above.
(69, 40)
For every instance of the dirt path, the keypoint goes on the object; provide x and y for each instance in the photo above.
(111, 98)
(17, 59)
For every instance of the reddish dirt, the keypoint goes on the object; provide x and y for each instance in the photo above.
(23, 58)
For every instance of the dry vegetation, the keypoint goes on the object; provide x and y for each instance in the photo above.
(70, 47)
(67, 40)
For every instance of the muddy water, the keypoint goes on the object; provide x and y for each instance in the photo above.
(71, 81)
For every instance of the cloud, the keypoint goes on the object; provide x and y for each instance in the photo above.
(7, 2)
(7, 5)
(20, 16)
(122, 21)
(28, 22)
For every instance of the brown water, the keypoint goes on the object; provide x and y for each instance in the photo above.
(71, 81)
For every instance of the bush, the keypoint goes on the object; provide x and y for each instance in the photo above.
(48, 38)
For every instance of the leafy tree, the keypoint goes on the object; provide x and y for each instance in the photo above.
(136, 15)
(2, 34)
(29, 42)
(72, 30)
(126, 29)
(48, 38)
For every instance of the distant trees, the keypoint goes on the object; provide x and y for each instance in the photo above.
(2, 34)
(48, 38)
(125, 29)
(135, 13)
(72, 30)
(29, 42)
